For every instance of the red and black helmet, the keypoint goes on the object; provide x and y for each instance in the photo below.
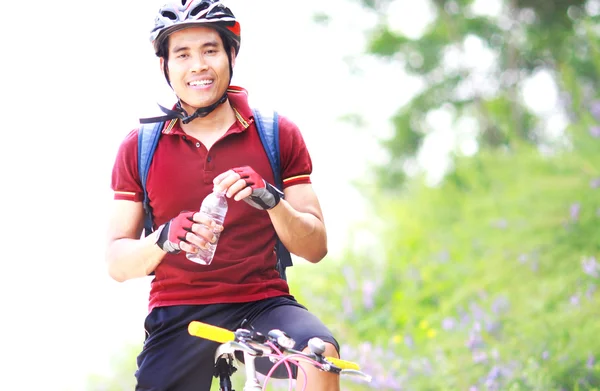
(180, 14)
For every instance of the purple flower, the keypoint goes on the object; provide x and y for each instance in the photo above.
(595, 109)
(494, 373)
(491, 385)
(590, 291)
(595, 183)
(545, 355)
(495, 354)
(391, 383)
(368, 292)
(522, 258)
(590, 362)
(477, 311)
(574, 300)
(474, 342)
(365, 348)
(500, 305)
(479, 357)
(501, 224)
(534, 266)
(348, 273)
(595, 131)
(590, 266)
(465, 318)
(444, 256)
(347, 305)
(448, 323)
(493, 327)
(574, 211)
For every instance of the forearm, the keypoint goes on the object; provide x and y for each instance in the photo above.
(302, 233)
(132, 258)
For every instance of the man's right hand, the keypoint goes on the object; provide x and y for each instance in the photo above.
(188, 232)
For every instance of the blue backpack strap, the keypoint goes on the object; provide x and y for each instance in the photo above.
(268, 130)
(148, 135)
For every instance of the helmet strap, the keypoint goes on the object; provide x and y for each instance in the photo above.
(200, 112)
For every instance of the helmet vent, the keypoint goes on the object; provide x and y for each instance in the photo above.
(201, 7)
(169, 14)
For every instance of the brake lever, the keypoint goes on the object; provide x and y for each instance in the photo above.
(354, 372)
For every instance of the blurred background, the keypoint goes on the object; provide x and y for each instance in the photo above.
(455, 148)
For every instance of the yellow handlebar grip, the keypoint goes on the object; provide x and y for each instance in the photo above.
(343, 364)
(207, 331)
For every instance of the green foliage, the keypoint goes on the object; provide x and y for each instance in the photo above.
(478, 280)
(121, 374)
(321, 19)
(527, 35)
(488, 281)
(386, 43)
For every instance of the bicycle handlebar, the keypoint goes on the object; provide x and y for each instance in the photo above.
(213, 333)
(258, 344)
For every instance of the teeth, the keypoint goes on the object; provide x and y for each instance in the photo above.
(200, 82)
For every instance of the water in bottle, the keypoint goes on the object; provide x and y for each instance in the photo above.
(215, 206)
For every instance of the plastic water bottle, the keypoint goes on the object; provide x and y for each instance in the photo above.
(215, 206)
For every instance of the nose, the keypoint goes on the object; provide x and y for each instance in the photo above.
(198, 64)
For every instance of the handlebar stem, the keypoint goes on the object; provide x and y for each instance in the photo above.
(252, 383)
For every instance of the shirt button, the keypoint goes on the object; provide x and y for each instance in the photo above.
(197, 145)
(209, 158)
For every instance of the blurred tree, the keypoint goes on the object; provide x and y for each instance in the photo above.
(520, 36)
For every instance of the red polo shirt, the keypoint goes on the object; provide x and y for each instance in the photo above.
(181, 175)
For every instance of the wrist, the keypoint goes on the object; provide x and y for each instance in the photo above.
(275, 192)
(162, 239)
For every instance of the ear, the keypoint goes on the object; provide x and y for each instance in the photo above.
(163, 65)
(232, 57)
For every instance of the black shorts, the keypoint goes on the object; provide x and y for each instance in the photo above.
(173, 360)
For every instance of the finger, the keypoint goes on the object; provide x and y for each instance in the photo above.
(204, 232)
(203, 219)
(243, 194)
(229, 181)
(219, 178)
(237, 187)
(188, 248)
(196, 240)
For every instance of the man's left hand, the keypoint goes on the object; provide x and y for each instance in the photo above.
(243, 183)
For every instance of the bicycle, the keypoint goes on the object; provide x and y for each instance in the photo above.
(276, 345)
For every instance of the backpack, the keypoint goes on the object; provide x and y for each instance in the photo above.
(268, 130)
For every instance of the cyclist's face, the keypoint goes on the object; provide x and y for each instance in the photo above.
(198, 66)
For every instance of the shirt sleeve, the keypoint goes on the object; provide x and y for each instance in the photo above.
(125, 182)
(296, 163)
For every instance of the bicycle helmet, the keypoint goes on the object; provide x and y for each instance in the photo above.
(178, 15)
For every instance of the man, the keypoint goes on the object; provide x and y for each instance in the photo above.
(212, 141)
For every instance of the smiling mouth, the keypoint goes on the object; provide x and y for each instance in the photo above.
(200, 83)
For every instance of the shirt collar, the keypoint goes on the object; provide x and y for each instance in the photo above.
(238, 98)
